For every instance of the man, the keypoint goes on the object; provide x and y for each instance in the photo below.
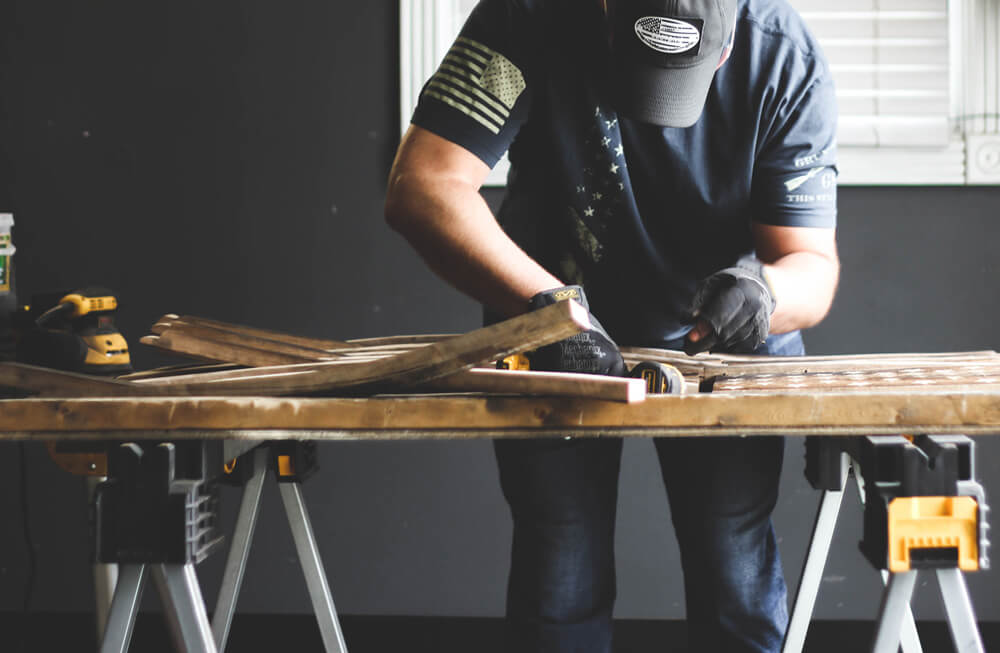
(672, 167)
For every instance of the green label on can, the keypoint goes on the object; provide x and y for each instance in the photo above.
(4, 273)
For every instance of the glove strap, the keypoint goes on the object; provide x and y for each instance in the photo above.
(547, 297)
(751, 268)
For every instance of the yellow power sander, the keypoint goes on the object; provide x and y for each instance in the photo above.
(73, 331)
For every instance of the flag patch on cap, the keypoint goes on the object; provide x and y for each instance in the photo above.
(670, 35)
(479, 82)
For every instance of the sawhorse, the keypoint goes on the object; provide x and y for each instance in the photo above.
(894, 467)
(290, 468)
(151, 479)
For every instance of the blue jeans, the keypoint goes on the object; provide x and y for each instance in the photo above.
(563, 496)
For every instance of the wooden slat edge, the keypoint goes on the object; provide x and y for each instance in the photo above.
(47, 382)
(564, 384)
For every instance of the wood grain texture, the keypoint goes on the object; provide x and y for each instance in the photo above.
(255, 352)
(222, 336)
(268, 418)
(433, 361)
(265, 334)
(55, 383)
(401, 342)
(705, 366)
(183, 342)
(174, 370)
(557, 384)
(955, 375)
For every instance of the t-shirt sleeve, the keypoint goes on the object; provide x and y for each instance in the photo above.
(795, 174)
(480, 96)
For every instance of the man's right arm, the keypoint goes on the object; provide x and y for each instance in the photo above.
(433, 201)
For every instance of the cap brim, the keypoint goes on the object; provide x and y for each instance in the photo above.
(668, 97)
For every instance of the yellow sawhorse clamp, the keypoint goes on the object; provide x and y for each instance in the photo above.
(924, 510)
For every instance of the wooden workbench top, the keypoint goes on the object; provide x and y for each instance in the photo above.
(943, 410)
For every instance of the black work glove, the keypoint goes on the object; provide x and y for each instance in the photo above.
(591, 352)
(737, 304)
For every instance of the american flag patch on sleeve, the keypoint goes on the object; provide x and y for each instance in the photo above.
(478, 81)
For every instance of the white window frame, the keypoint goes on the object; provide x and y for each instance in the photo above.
(427, 28)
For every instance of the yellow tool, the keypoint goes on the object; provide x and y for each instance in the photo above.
(660, 378)
(73, 331)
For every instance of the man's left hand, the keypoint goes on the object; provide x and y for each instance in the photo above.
(733, 309)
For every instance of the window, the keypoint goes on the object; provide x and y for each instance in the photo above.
(917, 88)
(918, 83)
(427, 29)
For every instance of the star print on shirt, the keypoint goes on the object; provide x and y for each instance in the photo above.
(602, 181)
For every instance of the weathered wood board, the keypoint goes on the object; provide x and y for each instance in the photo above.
(706, 366)
(963, 375)
(417, 417)
(251, 351)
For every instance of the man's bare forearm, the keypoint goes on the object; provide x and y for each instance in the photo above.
(804, 284)
(450, 225)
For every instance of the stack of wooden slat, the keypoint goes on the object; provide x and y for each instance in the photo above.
(246, 361)
(732, 373)
(256, 362)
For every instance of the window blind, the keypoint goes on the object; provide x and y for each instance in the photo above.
(890, 64)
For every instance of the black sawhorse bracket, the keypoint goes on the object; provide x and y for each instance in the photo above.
(157, 513)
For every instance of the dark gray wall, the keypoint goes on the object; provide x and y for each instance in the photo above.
(229, 159)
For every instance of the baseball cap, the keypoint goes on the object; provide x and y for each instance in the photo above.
(665, 54)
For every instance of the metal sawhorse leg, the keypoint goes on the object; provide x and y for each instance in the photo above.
(895, 627)
(955, 596)
(305, 544)
(183, 607)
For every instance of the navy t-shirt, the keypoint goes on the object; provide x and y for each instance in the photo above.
(638, 214)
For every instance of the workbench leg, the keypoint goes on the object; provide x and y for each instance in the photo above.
(961, 619)
(909, 639)
(891, 613)
(105, 580)
(812, 571)
(312, 567)
(124, 608)
(239, 551)
(184, 607)
(105, 574)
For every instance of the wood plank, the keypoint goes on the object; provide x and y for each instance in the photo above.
(314, 343)
(282, 342)
(707, 366)
(959, 374)
(174, 370)
(386, 418)
(55, 383)
(401, 342)
(188, 344)
(723, 359)
(225, 336)
(245, 351)
(521, 333)
(565, 384)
